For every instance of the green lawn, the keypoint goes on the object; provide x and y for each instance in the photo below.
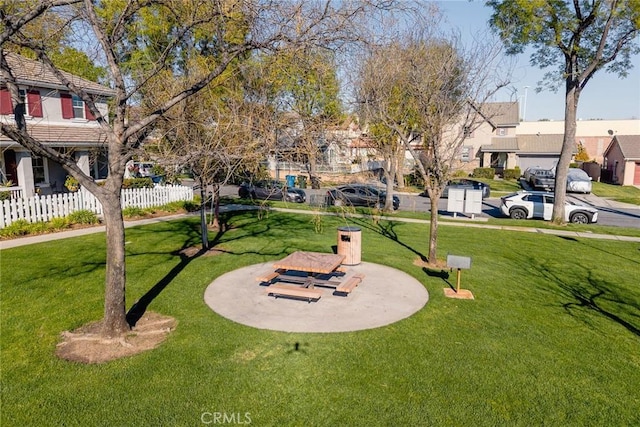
(552, 338)
(625, 194)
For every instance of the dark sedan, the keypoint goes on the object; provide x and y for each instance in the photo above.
(464, 184)
(271, 190)
(359, 195)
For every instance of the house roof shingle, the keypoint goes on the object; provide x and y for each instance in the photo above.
(540, 144)
(501, 113)
(60, 136)
(629, 145)
(501, 144)
(29, 72)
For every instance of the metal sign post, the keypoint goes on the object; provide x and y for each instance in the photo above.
(459, 263)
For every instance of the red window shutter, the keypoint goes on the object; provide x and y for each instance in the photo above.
(34, 100)
(87, 113)
(6, 107)
(66, 101)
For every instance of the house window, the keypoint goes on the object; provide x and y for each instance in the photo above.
(30, 103)
(37, 164)
(78, 107)
(73, 107)
(99, 165)
(465, 154)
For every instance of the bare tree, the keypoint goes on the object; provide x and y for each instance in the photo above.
(139, 55)
(430, 91)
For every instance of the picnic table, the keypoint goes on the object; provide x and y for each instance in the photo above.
(297, 275)
(311, 262)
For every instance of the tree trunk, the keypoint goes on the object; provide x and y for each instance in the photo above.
(204, 231)
(433, 229)
(400, 167)
(389, 174)
(568, 145)
(312, 168)
(215, 202)
(115, 314)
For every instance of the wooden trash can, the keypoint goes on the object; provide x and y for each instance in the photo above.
(350, 244)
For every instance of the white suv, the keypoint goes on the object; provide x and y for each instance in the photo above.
(539, 204)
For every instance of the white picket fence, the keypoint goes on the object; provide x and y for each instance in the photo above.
(45, 208)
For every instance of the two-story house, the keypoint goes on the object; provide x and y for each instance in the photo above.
(490, 143)
(55, 117)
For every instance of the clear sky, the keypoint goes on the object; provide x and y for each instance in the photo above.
(606, 96)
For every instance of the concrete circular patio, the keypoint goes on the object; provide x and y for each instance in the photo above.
(385, 296)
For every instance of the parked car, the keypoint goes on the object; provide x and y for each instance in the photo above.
(466, 184)
(359, 195)
(139, 170)
(540, 179)
(578, 181)
(271, 190)
(539, 204)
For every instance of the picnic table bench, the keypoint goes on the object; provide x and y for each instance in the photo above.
(269, 276)
(294, 291)
(349, 284)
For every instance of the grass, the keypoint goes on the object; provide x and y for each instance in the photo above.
(625, 194)
(501, 187)
(553, 336)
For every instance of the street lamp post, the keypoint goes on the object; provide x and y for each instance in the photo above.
(524, 107)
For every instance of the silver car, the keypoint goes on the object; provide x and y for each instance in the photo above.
(578, 181)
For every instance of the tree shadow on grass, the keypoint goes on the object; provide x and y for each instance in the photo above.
(589, 296)
(590, 245)
(595, 296)
(387, 229)
(187, 254)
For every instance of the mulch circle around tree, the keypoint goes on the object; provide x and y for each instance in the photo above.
(86, 345)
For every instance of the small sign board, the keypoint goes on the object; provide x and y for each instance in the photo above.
(459, 262)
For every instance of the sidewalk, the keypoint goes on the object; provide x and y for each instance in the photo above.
(461, 222)
(29, 240)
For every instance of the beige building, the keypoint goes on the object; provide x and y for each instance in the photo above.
(503, 143)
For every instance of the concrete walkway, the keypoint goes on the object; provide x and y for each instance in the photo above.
(29, 240)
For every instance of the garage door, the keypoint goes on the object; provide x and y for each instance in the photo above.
(546, 162)
(636, 176)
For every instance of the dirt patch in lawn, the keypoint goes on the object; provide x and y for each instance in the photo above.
(194, 251)
(85, 345)
(439, 264)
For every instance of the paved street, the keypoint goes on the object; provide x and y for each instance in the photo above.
(610, 213)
